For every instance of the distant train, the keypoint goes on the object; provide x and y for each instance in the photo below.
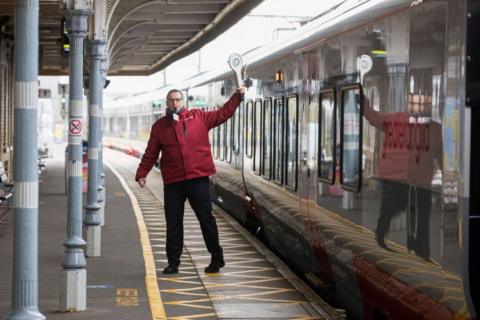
(353, 155)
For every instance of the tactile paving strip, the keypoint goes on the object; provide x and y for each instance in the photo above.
(248, 287)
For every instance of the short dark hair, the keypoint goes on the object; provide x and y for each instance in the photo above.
(174, 90)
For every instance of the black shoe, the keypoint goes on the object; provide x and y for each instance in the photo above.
(171, 269)
(215, 266)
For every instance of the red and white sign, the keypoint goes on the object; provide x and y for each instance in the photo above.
(75, 127)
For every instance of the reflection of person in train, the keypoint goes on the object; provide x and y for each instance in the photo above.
(411, 146)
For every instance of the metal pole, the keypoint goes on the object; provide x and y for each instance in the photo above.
(74, 276)
(101, 174)
(92, 218)
(25, 156)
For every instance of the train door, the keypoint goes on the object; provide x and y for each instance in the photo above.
(304, 170)
(308, 137)
(308, 171)
(310, 147)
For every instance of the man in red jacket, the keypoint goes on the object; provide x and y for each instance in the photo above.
(186, 162)
(410, 153)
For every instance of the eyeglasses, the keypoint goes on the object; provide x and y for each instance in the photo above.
(174, 99)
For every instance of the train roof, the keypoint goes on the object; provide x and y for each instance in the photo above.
(346, 16)
(343, 17)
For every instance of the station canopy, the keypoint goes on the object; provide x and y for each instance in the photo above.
(143, 36)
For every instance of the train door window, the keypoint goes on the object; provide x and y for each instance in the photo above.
(267, 138)
(211, 138)
(6, 106)
(228, 141)
(214, 144)
(248, 129)
(236, 128)
(217, 144)
(257, 138)
(278, 134)
(221, 140)
(327, 135)
(291, 142)
(351, 114)
(3, 107)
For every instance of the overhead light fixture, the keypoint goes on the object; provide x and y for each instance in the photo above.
(379, 53)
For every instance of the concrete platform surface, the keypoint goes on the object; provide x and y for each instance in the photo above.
(126, 281)
(115, 281)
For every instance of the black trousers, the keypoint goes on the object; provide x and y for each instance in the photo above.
(417, 201)
(198, 195)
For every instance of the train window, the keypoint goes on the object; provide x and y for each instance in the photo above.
(257, 137)
(248, 129)
(211, 137)
(351, 138)
(278, 134)
(228, 140)
(327, 136)
(267, 138)
(217, 142)
(214, 142)
(3, 108)
(291, 142)
(236, 129)
(221, 141)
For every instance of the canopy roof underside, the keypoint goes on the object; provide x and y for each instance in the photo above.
(143, 36)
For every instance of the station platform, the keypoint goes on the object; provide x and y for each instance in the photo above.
(126, 282)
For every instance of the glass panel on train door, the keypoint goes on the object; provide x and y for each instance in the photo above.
(214, 142)
(327, 135)
(218, 144)
(267, 138)
(257, 142)
(237, 126)
(292, 142)
(221, 140)
(211, 137)
(228, 141)
(248, 129)
(351, 138)
(278, 128)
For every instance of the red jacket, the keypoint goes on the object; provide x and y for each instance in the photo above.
(184, 143)
(409, 147)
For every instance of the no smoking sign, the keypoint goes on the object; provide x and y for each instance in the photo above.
(75, 127)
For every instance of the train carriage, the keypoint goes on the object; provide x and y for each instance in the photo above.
(353, 155)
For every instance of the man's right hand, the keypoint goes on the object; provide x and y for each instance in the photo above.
(241, 89)
(142, 182)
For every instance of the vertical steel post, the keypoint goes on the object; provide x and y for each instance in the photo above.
(101, 174)
(73, 275)
(92, 218)
(25, 156)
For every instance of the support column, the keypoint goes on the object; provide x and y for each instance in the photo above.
(92, 217)
(25, 155)
(74, 276)
(101, 174)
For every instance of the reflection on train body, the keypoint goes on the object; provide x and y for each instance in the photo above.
(350, 166)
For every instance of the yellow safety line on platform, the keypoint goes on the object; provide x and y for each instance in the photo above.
(153, 292)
